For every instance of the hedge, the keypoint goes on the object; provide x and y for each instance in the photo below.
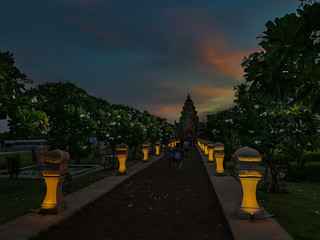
(309, 171)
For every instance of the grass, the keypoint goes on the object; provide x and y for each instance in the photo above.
(298, 212)
(18, 196)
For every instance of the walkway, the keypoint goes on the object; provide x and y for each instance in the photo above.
(158, 203)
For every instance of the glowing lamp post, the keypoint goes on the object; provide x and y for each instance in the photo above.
(55, 172)
(122, 153)
(202, 145)
(206, 148)
(219, 156)
(157, 146)
(210, 152)
(145, 150)
(249, 173)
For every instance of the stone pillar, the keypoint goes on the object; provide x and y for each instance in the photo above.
(40, 150)
(210, 152)
(122, 154)
(54, 174)
(145, 150)
(157, 146)
(202, 145)
(219, 157)
(249, 173)
(103, 152)
(206, 148)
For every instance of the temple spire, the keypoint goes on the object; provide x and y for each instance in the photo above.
(188, 124)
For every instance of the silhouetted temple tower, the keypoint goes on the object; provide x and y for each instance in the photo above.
(189, 121)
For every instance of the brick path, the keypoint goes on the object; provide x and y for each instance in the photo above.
(158, 203)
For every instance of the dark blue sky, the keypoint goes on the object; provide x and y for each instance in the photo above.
(148, 54)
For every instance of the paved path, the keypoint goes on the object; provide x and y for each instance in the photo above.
(230, 195)
(29, 226)
(158, 203)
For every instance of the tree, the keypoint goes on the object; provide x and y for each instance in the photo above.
(23, 120)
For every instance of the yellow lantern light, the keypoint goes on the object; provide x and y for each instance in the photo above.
(219, 157)
(122, 153)
(157, 146)
(145, 150)
(55, 172)
(202, 145)
(249, 173)
(206, 148)
(210, 152)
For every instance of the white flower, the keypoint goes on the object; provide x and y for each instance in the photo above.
(257, 142)
(13, 97)
(118, 116)
(109, 114)
(119, 136)
(131, 124)
(250, 131)
(308, 144)
(256, 106)
(317, 60)
(107, 135)
(260, 57)
(83, 115)
(34, 100)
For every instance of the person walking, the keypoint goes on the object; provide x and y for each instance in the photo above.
(178, 156)
(168, 155)
(186, 148)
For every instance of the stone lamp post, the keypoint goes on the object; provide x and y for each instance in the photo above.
(210, 152)
(157, 146)
(145, 150)
(206, 148)
(55, 172)
(40, 150)
(103, 152)
(219, 157)
(249, 173)
(122, 154)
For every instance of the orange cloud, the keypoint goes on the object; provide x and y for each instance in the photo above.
(169, 108)
(214, 53)
(210, 92)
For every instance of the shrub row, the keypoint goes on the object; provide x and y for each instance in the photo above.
(309, 171)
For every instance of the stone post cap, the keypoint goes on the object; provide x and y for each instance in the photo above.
(121, 148)
(158, 142)
(210, 144)
(145, 144)
(218, 146)
(247, 154)
(57, 156)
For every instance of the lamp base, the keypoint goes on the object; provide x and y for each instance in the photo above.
(59, 208)
(257, 214)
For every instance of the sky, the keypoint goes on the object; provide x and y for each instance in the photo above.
(148, 54)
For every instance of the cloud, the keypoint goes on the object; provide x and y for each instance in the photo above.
(215, 56)
(99, 32)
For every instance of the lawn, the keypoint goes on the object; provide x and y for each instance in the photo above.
(18, 196)
(298, 212)
(25, 159)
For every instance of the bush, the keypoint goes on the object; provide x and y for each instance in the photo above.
(230, 165)
(308, 171)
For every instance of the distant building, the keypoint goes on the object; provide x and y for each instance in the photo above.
(189, 121)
